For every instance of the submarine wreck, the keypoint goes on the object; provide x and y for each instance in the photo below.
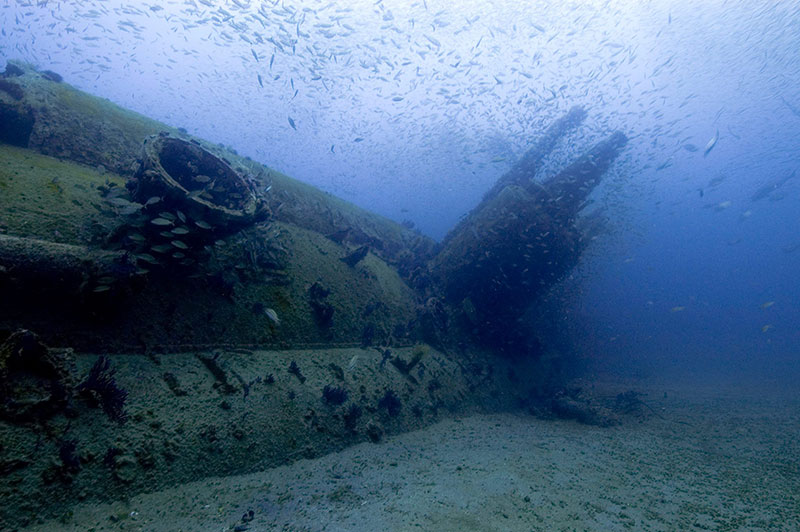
(172, 311)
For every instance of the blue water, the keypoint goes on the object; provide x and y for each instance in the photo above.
(414, 109)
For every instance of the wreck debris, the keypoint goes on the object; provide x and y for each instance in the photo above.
(405, 367)
(212, 364)
(631, 403)
(174, 384)
(294, 369)
(571, 404)
(34, 381)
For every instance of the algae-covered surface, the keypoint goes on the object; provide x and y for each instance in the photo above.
(196, 415)
(44, 197)
(73, 125)
(716, 459)
(222, 302)
(78, 126)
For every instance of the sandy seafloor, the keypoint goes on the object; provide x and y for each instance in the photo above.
(721, 458)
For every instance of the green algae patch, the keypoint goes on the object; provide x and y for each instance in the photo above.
(43, 197)
(367, 303)
(303, 205)
(72, 124)
(131, 125)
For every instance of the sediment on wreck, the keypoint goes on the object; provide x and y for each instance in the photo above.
(189, 416)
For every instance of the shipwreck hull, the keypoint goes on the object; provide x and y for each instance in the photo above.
(72, 125)
(518, 242)
(199, 332)
(265, 251)
(206, 414)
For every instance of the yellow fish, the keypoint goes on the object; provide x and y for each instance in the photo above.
(765, 328)
(767, 304)
(677, 309)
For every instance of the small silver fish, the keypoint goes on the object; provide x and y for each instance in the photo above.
(711, 144)
(146, 257)
(273, 316)
(130, 209)
(161, 248)
(353, 363)
(118, 202)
